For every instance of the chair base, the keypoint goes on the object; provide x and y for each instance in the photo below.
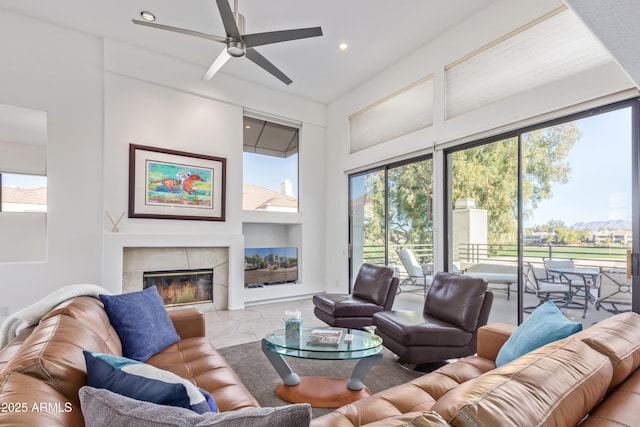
(424, 368)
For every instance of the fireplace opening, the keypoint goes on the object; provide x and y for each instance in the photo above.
(180, 287)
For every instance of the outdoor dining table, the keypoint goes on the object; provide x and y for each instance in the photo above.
(588, 275)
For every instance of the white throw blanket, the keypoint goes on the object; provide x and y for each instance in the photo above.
(32, 314)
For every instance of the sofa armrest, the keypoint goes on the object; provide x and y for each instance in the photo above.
(188, 322)
(492, 337)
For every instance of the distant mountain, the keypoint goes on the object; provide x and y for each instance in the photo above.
(594, 226)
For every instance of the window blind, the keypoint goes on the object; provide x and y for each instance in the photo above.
(401, 113)
(554, 47)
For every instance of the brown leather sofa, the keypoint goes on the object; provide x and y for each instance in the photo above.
(590, 379)
(42, 369)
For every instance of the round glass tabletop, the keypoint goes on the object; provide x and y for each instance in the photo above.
(325, 343)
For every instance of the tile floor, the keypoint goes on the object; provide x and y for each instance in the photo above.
(227, 328)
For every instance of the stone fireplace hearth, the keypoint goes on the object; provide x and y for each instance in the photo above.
(138, 260)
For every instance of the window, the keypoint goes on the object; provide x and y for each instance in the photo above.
(520, 205)
(23, 193)
(270, 166)
(389, 210)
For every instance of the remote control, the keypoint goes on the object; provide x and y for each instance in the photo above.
(348, 338)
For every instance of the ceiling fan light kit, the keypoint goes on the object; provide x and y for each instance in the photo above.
(237, 43)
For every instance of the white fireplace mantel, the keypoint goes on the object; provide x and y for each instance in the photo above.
(114, 244)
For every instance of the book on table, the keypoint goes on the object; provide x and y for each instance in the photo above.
(324, 337)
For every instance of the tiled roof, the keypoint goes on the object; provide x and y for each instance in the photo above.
(29, 196)
(255, 197)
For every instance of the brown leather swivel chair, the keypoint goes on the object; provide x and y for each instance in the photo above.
(456, 306)
(374, 291)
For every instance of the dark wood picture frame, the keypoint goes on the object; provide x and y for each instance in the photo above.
(172, 184)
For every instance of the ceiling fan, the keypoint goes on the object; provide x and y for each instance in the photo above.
(240, 44)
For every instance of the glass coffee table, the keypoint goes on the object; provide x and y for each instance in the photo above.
(320, 391)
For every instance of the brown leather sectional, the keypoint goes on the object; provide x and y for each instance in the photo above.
(590, 379)
(42, 369)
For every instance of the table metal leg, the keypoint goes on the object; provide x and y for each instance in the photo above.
(281, 366)
(360, 371)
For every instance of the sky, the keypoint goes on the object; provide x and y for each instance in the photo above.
(23, 181)
(600, 185)
(270, 171)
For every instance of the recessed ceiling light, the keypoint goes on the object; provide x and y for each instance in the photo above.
(147, 16)
(247, 126)
(343, 46)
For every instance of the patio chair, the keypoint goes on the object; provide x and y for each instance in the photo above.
(417, 275)
(545, 288)
(580, 284)
(615, 291)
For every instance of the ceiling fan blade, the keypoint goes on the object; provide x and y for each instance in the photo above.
(254, 56)
(181, 30)
(217, 64)
(228, 20)
(259, 39)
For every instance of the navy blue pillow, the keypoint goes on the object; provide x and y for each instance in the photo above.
(141, 381)
(141, 321)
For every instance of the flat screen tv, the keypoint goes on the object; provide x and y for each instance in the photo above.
(270, 266)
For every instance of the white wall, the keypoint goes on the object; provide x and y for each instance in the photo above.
(159, 101)
(499, 19)
(94, 90)
(47, 68)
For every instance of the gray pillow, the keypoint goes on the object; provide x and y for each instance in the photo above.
(101, 408)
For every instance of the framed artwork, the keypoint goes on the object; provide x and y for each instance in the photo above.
(170, 184)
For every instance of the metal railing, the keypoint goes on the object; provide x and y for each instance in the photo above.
(605, 256)
(375, 254)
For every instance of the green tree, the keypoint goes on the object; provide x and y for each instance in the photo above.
(409, 205)
(489, 175)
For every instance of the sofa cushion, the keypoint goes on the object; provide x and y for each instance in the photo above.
(412, 419)
(618, 337)
(620, 408)
(144, 382)
(53, 352)
(545, 324)
(373, 283)
(141, 321)
(468, 292)
(557, 384)
(196, 360)
(29, 401)
(103, 408)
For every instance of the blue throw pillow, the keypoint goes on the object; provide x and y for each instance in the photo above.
(141, 381)
(545, 324)
(141, 321)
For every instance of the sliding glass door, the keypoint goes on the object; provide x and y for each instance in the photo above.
(552, 203)
(483, 221)
(390, 209)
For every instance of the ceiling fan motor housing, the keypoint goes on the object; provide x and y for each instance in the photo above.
(236, 48)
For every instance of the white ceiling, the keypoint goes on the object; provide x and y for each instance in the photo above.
(379, 32)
